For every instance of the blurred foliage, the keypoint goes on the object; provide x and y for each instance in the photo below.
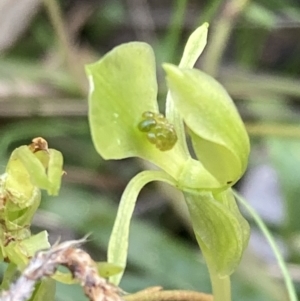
(253, 50)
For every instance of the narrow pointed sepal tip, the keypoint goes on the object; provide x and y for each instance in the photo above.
(171, 70)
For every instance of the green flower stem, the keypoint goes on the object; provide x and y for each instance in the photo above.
(221, 287)
(287, 278)
(118, 243)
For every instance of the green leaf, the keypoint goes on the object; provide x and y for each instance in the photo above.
(15, 255)
(35, 243)
(218, 134)
(220, 229)
(19, 252)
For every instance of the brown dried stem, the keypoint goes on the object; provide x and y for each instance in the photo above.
(45, 263)
(157, 294)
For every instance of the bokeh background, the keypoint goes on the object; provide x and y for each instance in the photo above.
(253, 50)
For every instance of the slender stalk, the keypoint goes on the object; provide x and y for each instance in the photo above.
(221, 287)
(287, 278)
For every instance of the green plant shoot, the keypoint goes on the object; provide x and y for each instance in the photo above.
(125, 122)
(29, 169)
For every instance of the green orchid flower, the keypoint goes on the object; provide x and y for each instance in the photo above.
(125, 122)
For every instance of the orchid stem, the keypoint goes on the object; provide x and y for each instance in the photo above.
(221, 287)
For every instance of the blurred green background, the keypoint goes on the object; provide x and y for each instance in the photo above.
(253, 50)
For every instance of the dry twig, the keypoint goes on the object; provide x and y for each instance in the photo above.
(82, 267)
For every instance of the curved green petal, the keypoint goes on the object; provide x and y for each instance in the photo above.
(119, 239)
(220, 229)
(122, 87)
(218, 134)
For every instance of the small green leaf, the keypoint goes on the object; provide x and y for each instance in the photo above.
(16, 255)
(17, 218)
(221, 231)
(35, 243)
(218, 134)
(19, 252)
